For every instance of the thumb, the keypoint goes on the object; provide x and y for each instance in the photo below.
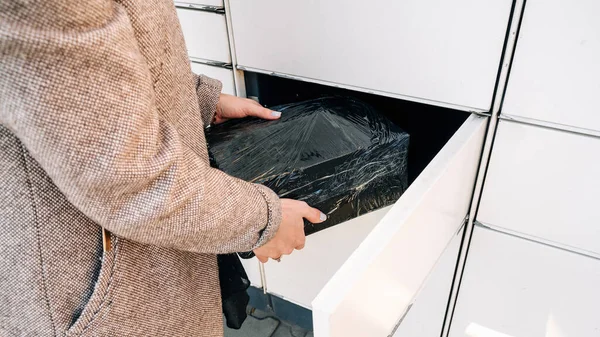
(261, 112)
(314, 215)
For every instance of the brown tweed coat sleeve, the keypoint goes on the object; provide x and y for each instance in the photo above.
(83, 92)
(207, 87)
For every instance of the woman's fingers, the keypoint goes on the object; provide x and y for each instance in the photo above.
(259, 111)
(290, 234)
(313, 215)
(262, 259)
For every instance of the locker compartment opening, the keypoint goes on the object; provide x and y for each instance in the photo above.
(429, 127)
(302, 275)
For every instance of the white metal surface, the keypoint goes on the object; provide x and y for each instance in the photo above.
(518, 288)
(426, 317)
(238, 75)
(550, 125)
(544, 183)
(507, 58)
(360, 89)
(556, 73)
(441, 51)
(251, 266)
(299, 277)
(205, 34)
(222, 74)
(378, 283)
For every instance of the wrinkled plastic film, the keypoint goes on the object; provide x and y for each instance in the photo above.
(338, 154)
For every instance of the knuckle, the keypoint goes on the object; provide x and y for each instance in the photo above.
(280, 250)
(269, 253)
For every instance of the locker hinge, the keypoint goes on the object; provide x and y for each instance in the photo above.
(481, 113)
(204, 8)
(463, 225)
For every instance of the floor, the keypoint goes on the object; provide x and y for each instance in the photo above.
(264, 324)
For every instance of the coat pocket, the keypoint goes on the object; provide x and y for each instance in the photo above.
(99, 302)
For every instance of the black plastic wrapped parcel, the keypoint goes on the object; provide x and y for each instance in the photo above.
(337, 154)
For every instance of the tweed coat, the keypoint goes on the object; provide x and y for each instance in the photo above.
(102, 125)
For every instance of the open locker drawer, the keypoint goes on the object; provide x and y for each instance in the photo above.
(381, 280)
(368, 271)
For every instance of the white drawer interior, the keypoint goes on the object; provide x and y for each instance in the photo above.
(205, 35)
(300, 276)
(544, 183)
(442, 52)
(514, 287)
(222, 74)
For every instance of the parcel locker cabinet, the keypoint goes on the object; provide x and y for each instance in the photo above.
(534, 261)
(427, 66)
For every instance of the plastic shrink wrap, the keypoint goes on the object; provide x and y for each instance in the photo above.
(336, 153)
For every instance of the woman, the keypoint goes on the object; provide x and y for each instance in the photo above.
(101, 127)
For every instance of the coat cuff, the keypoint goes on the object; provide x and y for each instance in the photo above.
(208, 91)
(273, 215)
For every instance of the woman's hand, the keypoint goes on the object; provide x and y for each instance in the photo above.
(290, 234)
(230, 107)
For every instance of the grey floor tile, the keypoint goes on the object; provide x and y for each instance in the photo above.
(298, 331)
(286, 330)
(264, 324)
(289, 312)
(255, 327)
